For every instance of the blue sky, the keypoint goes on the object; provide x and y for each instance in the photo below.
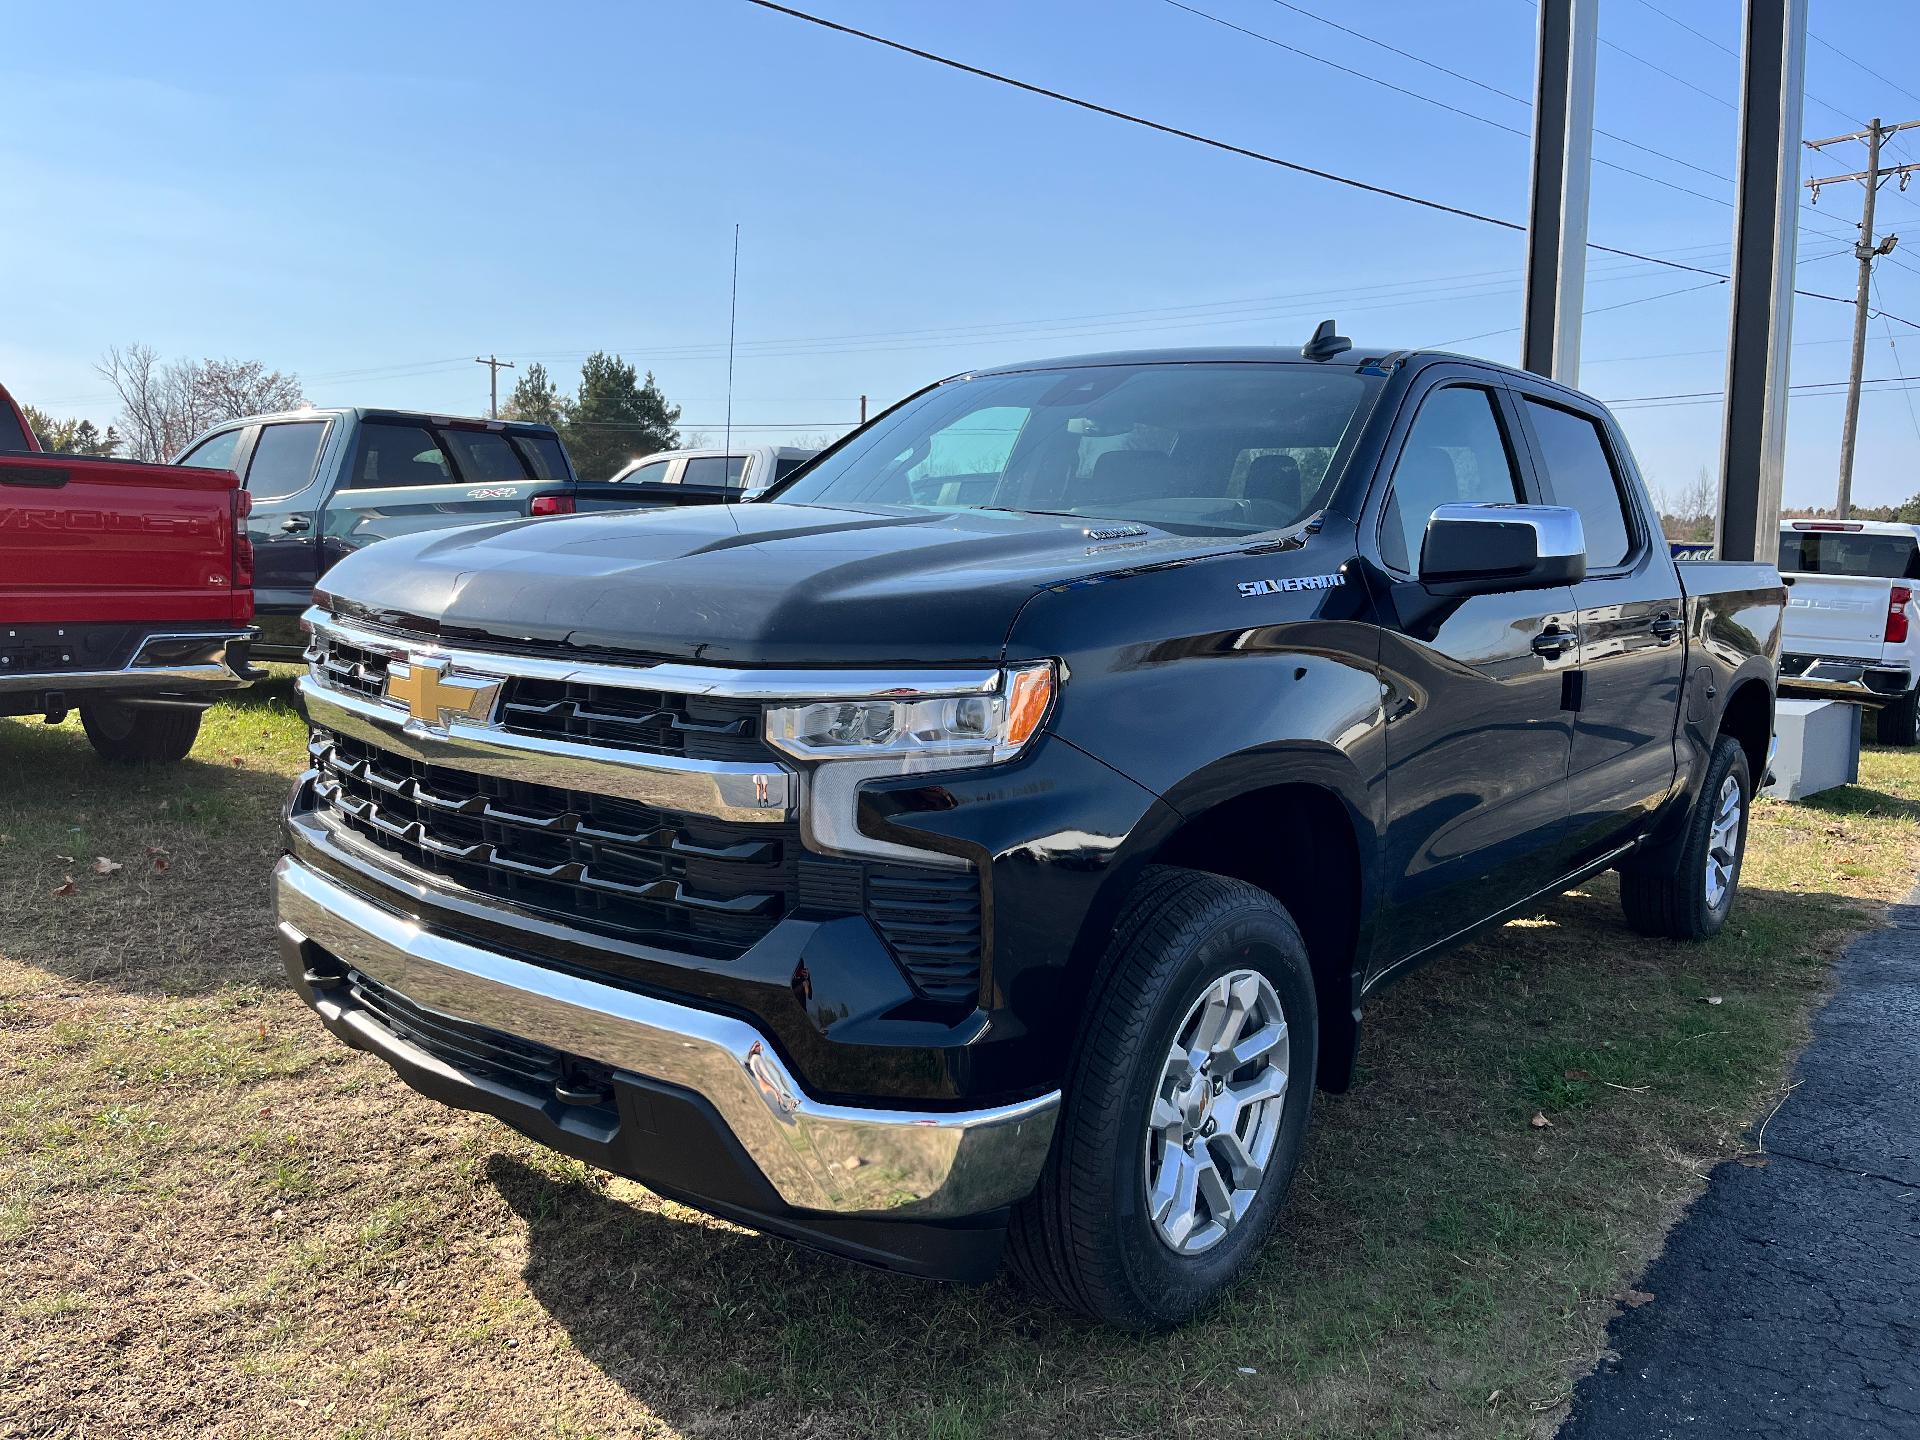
(371, 195)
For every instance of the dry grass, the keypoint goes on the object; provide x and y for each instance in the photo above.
(215, 1221)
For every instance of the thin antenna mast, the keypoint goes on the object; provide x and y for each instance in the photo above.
(733, 309)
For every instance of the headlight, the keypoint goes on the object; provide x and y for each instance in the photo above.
(951, 732)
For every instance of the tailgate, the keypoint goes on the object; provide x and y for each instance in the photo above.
(102, 540)
(1836, 615)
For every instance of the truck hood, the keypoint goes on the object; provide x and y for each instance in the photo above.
(745, 584)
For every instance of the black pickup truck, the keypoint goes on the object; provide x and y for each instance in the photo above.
(989, 847)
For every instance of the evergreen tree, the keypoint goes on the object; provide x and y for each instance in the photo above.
(616, 417)
(70, 437)
(536, 399)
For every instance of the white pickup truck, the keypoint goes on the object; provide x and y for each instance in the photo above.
(1850, 608)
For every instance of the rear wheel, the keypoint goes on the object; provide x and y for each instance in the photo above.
(139, 734)
(1688, 894)
(1898, 723)
(1185, 1110)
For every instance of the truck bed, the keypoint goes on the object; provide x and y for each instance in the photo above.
(86, 540)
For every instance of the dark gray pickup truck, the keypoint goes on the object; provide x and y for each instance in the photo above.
(324, 483)
(991, 846)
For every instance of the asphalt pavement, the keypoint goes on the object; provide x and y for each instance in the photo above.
(1787, 1301)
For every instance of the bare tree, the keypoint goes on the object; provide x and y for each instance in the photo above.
(1687, 512)
(165, 403)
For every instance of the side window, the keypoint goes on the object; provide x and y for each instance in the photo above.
(713, 470)
(482, 456)
(785, 467)
(283, 458)
(1455, 453)
(653, 474)
(1580, 474)
(216, 451)
(397, 455)
(13, 431)
(544, 456)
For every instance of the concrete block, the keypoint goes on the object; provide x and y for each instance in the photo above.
(1819, 747)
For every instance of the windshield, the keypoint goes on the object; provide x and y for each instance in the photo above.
(1226, 448)
(1839, 552)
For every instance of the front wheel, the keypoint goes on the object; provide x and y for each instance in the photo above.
(1186, 1106)
(1688, 895)
(139, 734)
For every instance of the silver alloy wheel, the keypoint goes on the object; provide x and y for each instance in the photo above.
(1216, 1112)
(1723, 843)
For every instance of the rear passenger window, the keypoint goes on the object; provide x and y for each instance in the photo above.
(1456, 453)
(216, 451)
(544, 456)
(13, 435)
(1580, 474)
(482, 455)
(714, 470)
(396, 455)
(283, 458)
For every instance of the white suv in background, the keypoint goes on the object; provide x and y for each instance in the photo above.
(1850, 631)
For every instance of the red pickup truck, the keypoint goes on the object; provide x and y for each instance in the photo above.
(126, 592)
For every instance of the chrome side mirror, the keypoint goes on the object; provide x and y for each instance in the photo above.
(1472, 548)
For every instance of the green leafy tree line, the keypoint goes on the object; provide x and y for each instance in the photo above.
(70, 436)
(612, 417)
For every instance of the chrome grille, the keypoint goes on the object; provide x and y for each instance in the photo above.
(598, 861)
(656, 721)
(616, 717)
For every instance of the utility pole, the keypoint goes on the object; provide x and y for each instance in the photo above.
(494, 366)
(1867, 250)
(863, 409)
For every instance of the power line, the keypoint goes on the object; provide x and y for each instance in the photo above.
(1438, 103)
(1722, 46)
(1715, 394)
(1225, 146)
(1898, 363)
(1862, 65)
(1598, 310)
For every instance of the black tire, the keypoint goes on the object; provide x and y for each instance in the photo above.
(1899, 723)
(1668, 895)
(139, 734)
(1085, 1238)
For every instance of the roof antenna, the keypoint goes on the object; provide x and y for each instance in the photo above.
(733, 309)
(1325, 344)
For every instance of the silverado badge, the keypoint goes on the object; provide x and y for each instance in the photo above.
(433, 697)
(1251, 588)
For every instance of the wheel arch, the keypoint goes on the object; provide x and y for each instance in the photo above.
(1295, 827)
(1748, 717)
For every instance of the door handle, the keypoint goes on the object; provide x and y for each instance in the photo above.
(1554, 642)
(1668, 628)
(296, 524)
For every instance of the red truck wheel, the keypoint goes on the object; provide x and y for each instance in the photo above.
(137, 734)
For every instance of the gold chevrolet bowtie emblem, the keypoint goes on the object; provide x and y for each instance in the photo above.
(432, 697)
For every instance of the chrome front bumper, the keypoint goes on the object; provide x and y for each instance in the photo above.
(193, 661)
(834, 1159)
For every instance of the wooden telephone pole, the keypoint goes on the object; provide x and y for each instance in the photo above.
(1867, 250)
(494, 366)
